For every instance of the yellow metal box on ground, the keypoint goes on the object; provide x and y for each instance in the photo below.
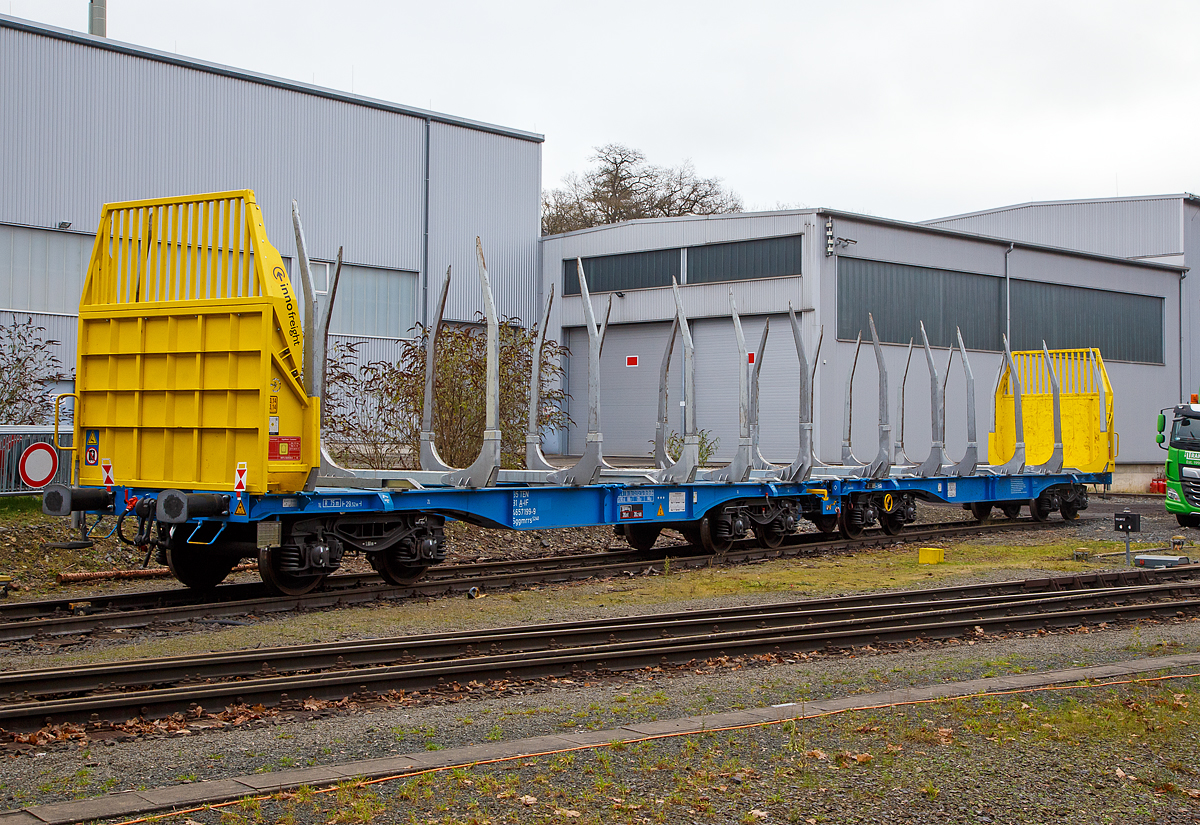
(190, 350)
(931, 555)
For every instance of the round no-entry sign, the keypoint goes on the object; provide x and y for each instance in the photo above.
(39, 463)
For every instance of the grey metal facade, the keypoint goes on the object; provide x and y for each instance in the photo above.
(1125, 326)
(1139, 227)
(1164, 228)
(640, 321)
(85, 121)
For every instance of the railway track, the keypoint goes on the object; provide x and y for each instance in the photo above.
(82, 615)
(156, 687)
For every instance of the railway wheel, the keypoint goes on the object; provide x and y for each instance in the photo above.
(396, 572)
(1039, 508)
(1068, 510)
(826, 523)
(641, 536)
(850, 521)
(198, 566)
(771, 534)
(982, 511)
(283, 582)
(716, 533)
(1011, 510)
(691, 534)
(892, 523)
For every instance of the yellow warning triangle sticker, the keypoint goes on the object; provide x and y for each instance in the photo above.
(660, 512)
(241, 509)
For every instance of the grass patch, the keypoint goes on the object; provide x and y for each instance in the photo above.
(1099, 755)
(19, 508)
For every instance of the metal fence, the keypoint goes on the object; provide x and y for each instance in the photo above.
(13, 442)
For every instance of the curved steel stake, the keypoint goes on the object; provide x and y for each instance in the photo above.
(848, 459)
(801, 469)
(882, 463)
(430, 460)
(604, 326)
(661, 459)
(309, 355)
(901, 455)
(587, 469)
(483, 472)
(683, 471)
(1017, 463)
(757, 461)
(316, 338)
(534, 459)
(738, 470)
(1055, 463)
(970, 459)
(932, 466)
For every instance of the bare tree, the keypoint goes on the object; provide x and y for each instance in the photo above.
(622, 186)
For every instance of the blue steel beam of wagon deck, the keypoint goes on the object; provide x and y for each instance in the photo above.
(544, 508)
(531, 508)
(969, 489)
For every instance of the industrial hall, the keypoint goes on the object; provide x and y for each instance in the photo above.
(405, 191)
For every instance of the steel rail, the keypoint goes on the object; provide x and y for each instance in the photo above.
(619, 645)
(240, 591)
(123, 611)
(358, 653)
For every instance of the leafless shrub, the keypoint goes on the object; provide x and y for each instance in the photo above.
(27, 366)
(373, 411)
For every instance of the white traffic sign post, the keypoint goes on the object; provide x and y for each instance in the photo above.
(39, 464)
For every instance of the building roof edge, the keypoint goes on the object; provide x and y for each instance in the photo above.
(31, 27)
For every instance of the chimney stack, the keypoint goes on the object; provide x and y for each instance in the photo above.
(97, 23)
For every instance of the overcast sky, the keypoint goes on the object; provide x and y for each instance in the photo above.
(908, 110)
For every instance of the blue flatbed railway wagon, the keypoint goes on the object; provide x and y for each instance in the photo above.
(197, 411)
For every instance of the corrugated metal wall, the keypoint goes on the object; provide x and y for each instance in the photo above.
(62, 330)
(85, 126)
(369, 349)
(743, 260)
(633, 270)
(901, 296)
(1139, 387)
(485, 186)
(629, 395)
(375, 302)
(1121, 227)
(45, 268)
(1125, 327)
(82, 125)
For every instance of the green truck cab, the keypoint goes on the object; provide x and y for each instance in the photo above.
(1183, 462)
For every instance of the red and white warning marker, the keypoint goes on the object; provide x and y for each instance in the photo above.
(106, 468)
(239, 487)
(39, 464)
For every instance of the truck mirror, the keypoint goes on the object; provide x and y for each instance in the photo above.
(1162, 424)
(1160, 438)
